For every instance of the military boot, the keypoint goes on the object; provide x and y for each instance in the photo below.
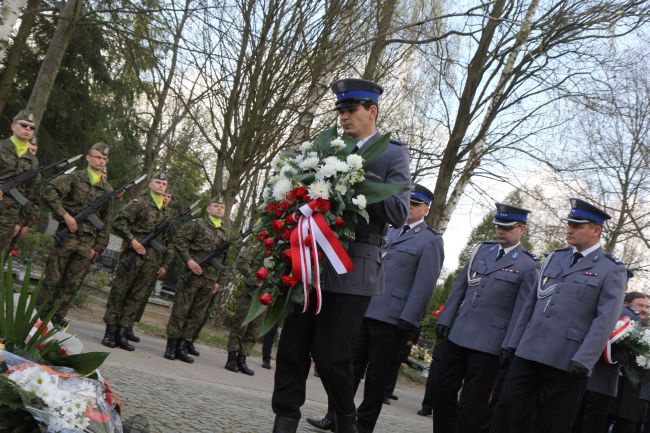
(109, 336)
(231, 364)
(346, 423)
(170, 350)
(283, 424)
(243, 368)
(191, 349)
(181, 352)
(122, 341)
(131, 336)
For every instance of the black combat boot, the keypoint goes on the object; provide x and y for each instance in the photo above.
(191, 349)
(109, 336)
(243, 368)
(231, 364)
(346, 423)
(181, 352)
(266, 363)
(170, 350)
(327, 423)
(285, 424)
(122, 341)
(131, 336)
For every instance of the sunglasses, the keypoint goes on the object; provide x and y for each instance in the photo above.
(27, 126)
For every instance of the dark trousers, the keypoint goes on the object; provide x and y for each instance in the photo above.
(328, 338)
(267, 342)
(592, 416)
(374, 351)
(526, 380)
(392, 381)
(427, 401)
(454, 367)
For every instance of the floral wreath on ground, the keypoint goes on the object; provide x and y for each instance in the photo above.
(312, 202)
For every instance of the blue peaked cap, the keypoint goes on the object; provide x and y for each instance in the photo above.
(509, 216)
(355, 91)
(421, 194)
(584, 212)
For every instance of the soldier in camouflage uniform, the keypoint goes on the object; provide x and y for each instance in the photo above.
(196, 287)
(242, 337)
(69, 260)
(28, 213)
(15, 159)
(133, 280)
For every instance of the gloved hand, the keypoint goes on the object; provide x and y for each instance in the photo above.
(621, 356)
(405, 327)
(442, 331)
(506, 353)
(577, 369)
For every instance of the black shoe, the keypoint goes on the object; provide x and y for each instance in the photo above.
(425, 411)
(191, 349)
(346, 423)
(283, 424)
(231, 364)
(243, 368)
(170, 350)
(266, 363)
(121, 340)
(386, 400)
(59, 320)
(181, 352)
(393, 396)
(131, 336)
(322, 424)
(109, 336)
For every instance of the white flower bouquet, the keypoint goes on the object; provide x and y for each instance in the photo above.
(630, 336)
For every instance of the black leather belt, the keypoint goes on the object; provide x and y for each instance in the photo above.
(369, 238)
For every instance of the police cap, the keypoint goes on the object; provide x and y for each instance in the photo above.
(421, 194)
(584, 212)
(100, 147)
(509, 216)
(355, 91)
(25, 114)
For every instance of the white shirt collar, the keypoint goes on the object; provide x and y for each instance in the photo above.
(507, 250)
(363, 141)
(416, 223)
(587, 251)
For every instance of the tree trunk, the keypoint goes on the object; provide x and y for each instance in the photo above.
(13, 59)
(8, 16)
(384, 20)
(50, 67)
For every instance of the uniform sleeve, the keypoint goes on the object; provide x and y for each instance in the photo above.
(103, 235)
(29, 189)
(456, 297)
(394, 209)
(170, 254)
(55, 191)
(183, 240)
(424, 282)
(124, 219)
(526, 287)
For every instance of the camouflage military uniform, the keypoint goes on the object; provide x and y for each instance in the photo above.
(10, 209)
(132, 282)
(68, 262)
(194, 292)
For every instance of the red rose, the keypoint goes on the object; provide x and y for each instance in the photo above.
(322, 205)
(289, 220)
(291, 196)
(268, 243)
(286, 235)
(288, 280)
(262, 274)
(268, 254)
(286, 255)
(339, 223)
(300, 192)
(262, 235)
(269, 208)
(13, 253)
(276, 225)
(436, 313)
(265, 299)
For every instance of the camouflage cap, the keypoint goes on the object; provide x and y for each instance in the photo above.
(217, 199)
(100, 147)
(160, 175)
(24, 114)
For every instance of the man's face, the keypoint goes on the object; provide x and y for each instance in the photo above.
(417, 211)
(217, 210)
(641, 306)
(96, 160)
(358, 121)
(158, 186)
(509, 236)
(582, 235)
(167, 198)
(23, 129)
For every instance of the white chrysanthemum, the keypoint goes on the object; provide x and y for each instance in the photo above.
(360, 201)
(287, 170)
(309, 163)
(355, 161)
(276, 163)
(281, 188)
(338, 143)
(341, 188)
(325, 171)
(297, 159)
(305, 146)
(319, 189)
(641, 360)
(341, 166)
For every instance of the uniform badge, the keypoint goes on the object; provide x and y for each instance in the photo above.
(30, 117)
(596, 258)
(544, 280)
(493, 247)
(590, 274)
(515, 255)
(417, 229)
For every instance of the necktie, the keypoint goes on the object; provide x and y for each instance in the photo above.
(502, 253)
(576, 256)
(404, 230)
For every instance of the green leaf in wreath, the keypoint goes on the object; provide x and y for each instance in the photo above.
(376, 192)
(83, 363)
(372, 149)
(255, 309)
(323, 141)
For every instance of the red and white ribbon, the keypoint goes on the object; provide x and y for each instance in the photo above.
(624, 326)
(311, 231)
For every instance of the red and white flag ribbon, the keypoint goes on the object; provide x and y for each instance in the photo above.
(624, 325)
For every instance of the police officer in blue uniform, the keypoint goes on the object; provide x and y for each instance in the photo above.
(477, 320)
(413, 257)
(328, 336)
(563, 328)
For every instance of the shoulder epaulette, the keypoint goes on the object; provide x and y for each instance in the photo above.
(397, 142)
(488, 242)
(532, 256)
(432, 230)
(564, 249)
(614, 259)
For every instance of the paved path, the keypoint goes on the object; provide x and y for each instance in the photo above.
(204, 397)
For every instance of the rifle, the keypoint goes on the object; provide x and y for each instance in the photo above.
(61, 173)
(150, 239)
(11, 185)
(88, 214)
(211, 257)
